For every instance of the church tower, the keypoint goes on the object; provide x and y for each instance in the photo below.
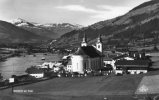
(84, 41)
(99, 44)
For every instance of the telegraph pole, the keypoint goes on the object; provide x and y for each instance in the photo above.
(155, 33)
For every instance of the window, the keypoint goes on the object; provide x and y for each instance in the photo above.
(98, 46)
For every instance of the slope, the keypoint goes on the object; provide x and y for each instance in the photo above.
(129, 29)
(12, 34)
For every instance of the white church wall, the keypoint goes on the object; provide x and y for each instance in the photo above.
(77, 64)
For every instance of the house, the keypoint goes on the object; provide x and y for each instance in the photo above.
(107, 69)
(35, 72)
(132, 66)
(123, 57)
(56, 69)
(54, 66)
(111, 60)
(137, 54)
(22, 78)
(69, 66)
(88, 58)
(47, 65)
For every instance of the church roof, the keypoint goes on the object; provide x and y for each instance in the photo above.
(89, 51)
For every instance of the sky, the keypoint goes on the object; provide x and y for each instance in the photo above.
(83, 12)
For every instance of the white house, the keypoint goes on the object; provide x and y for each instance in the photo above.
(48, 65)
(123, 57)
(88, 58)
(109, 62)
(69, 66)
(37, 73)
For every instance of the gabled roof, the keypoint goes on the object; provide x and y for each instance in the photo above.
(119, 57)
(89, 51)
(133, 63)
(69, 62)
(36, 71)
(122, 56)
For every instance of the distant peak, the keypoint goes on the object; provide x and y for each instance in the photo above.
(18, 20)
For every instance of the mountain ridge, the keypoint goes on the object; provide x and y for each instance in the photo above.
(49, 30)
(128, 28)
(12, 34)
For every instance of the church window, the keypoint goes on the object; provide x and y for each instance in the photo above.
(98, 46)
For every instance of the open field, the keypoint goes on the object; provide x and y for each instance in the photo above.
(50, 97)
(83, 88)
(88, 88)
(101, 85)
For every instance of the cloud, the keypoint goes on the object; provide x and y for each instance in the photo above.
(113, 11)
(77, 8)
(98, 12)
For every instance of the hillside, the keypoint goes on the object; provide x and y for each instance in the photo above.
(129, 29)
(12, 34)
(52, 31)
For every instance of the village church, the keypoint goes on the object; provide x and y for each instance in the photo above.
(88, 58)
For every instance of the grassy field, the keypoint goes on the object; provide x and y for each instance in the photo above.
(84, 88)
(90, 88)
(50, 97)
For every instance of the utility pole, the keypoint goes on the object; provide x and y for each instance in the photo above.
(12, 80)
(142, 35)
(155, 33)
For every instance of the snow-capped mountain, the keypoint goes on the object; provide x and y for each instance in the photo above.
(47, 30)
(10, 33)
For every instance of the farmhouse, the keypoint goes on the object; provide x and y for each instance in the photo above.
(36, 72)
(132, 66)
(111, 61)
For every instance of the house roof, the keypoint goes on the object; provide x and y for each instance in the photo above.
(119, 57)
(122, 56)
(69, 63)
(132, 63)
(64, 57)
(89, 51)
(36, 71)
